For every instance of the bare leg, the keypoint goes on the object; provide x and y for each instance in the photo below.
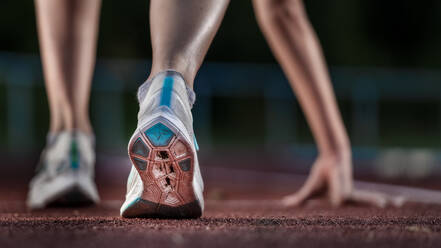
(86, 21)
(181, 33)
(52, 19)
(67, 33)
(296, 47)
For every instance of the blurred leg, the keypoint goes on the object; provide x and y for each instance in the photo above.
(85, 34)
(295, 45)
(68, 34)
(53, 20)
(181, 33)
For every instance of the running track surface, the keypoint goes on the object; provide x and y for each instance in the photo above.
(226, 223)
(242, 209)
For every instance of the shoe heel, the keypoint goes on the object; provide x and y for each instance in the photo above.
(165, 162)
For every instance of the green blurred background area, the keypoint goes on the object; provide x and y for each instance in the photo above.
(384, 59)
(363, 33)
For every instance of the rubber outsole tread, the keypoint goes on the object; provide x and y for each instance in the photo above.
(72, 198)
(146, 209)
(167, 176)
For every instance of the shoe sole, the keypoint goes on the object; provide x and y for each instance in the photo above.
(165, 163)
(64, 191)
(74, 197)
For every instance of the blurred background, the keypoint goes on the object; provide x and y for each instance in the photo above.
(384, 59)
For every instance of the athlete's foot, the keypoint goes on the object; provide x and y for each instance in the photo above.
(332, 175)
(165, 179)
(65, 173)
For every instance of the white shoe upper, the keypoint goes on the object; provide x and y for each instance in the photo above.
(178, 112)
(68, 161)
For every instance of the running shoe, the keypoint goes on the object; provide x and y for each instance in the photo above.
(165, 180)
(65, 173)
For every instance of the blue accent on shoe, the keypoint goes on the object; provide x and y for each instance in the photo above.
(195, 143)
(185, 164)
(166, 93)
(139, 148)
(159, 135)
(74, 156)
(140, 164)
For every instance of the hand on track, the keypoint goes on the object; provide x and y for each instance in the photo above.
(333, 177)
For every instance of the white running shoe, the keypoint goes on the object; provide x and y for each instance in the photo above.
(65, 173)
(165, 180)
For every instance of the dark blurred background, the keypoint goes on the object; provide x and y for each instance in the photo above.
(384, 58)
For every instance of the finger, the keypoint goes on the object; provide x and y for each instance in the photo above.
(378, 199)
(369, 197)
(314, 182)
(398, 201)
(338, 192)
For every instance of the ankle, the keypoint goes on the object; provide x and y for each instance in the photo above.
(84, 128)
(82, 124)
(152, 79)
(341, 155)
(187, 74)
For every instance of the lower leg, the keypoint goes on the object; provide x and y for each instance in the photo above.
(52, 22)
(295, 45)
(297, 49)
(85, 32)
(182, 32)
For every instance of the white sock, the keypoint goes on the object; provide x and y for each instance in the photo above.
(143, 89)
